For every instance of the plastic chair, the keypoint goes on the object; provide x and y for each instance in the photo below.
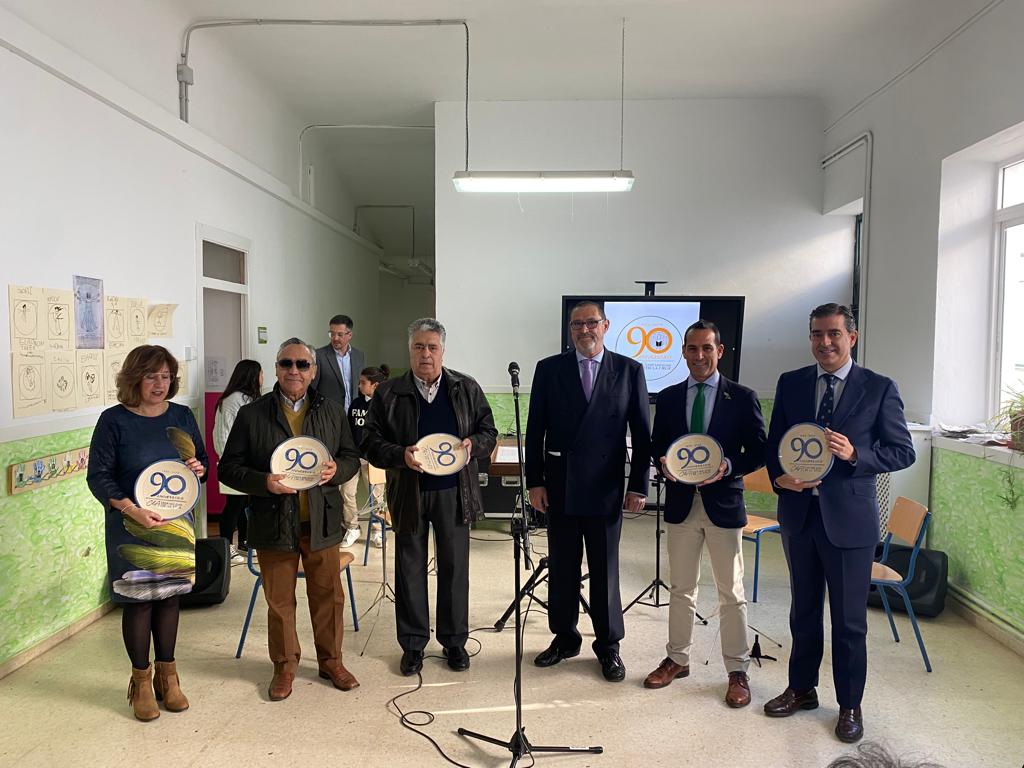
(376, 503)
(759, 482)
(909, 521)
(346, 561)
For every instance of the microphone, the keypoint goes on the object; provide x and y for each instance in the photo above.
(513, 371)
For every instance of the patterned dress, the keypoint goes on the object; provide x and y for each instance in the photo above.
(143, 564)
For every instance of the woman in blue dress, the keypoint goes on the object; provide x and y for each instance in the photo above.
(150, 561)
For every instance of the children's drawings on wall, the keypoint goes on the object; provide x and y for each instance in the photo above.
(58, 319)
(28, 384)
(88, 293)
(112, 362)
(89, 363)
(67, 347)
(158, 320)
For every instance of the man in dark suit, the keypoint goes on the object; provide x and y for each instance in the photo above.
(711, 513)
(338, 366)
(581, 404)
(830, 526)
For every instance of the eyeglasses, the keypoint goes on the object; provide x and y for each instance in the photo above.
(302, 365)
(591, 324)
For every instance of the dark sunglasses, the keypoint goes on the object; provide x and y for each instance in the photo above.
(302, 365)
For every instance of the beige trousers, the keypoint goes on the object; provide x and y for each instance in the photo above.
(349, 508)
(724, 545)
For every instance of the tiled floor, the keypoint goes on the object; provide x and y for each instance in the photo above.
(68, 707)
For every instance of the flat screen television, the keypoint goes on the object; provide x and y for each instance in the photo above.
(650, 329)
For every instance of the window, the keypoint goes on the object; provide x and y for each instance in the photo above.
(1010, 239)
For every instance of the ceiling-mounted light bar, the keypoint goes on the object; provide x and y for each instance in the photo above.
(551, 181)
(543, 181)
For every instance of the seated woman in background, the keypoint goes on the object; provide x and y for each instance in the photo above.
(150, 561)
(244, 386)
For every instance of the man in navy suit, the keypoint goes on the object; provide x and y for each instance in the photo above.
(711, 513)
(830, 526)
(581, 404)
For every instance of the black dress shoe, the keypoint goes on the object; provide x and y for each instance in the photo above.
(850, 726)
(789, 701)
(412, 662)
(458, 659)
(612, 668)
(554, 654)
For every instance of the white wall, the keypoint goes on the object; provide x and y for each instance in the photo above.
(401, 302)
(727, 201)
(99, 182)
(969, 90)
(139, 43)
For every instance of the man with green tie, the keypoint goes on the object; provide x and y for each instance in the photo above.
(711, 513)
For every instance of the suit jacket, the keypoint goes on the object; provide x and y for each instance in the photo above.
(738, 426)
(576, 449)
(328, 381)
(870, 415)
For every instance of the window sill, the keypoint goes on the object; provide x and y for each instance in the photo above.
(997, 454)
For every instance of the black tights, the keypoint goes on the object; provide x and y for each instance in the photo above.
(157, 618)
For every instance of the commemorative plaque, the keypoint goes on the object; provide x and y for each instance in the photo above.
(301, 460)
(441, 454)
(694, 458)
(804, 452)
(168, 488)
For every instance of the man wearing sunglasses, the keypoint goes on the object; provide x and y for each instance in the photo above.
(581, 404)
(338, 365)
(286, 526)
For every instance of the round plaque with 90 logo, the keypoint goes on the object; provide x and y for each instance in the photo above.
(694, 458)
(441, 454)
(168, 488)
(804, 452)
(301, 460)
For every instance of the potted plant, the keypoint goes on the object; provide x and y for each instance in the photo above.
(1011, 417)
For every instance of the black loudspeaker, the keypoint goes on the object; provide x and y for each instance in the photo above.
(928, 589)
(213, 573)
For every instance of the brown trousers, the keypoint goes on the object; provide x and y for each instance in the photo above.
(326, 603)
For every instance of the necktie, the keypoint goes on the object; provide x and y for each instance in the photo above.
(697, 413)
(588, 378)
(824, 418)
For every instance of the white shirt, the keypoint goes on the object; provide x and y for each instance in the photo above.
(345, 364)
(428, 391)
(293, 406)
(837, 388)
(710, 395)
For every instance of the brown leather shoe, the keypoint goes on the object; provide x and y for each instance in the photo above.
(850, 726)
(281, 686)
(666, 672)
(340, 677)
(789, 701)
(738, 694)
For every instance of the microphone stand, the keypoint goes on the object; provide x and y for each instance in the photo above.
(519, 745)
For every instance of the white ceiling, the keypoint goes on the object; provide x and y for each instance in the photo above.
(835, 50)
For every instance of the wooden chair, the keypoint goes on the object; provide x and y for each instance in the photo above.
(908, 521)
(756, 526)
(377, 504)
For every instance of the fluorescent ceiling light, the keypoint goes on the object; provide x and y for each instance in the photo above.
(543, 181)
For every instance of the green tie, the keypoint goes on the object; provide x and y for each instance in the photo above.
(697, 414)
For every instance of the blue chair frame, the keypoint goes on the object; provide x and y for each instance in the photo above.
(752, 532)
(255, 591)
(901, 586)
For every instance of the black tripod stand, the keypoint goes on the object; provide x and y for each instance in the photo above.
(540, 575)
(653, 590)
(519, 745)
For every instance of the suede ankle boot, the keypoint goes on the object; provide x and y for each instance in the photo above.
(140, 694)
(167, 687)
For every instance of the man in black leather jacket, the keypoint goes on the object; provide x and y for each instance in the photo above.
(429, 399)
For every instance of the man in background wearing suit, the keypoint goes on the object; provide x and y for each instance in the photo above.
(830, 526)
(338, 366)
(711, 513)
(581, 403)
